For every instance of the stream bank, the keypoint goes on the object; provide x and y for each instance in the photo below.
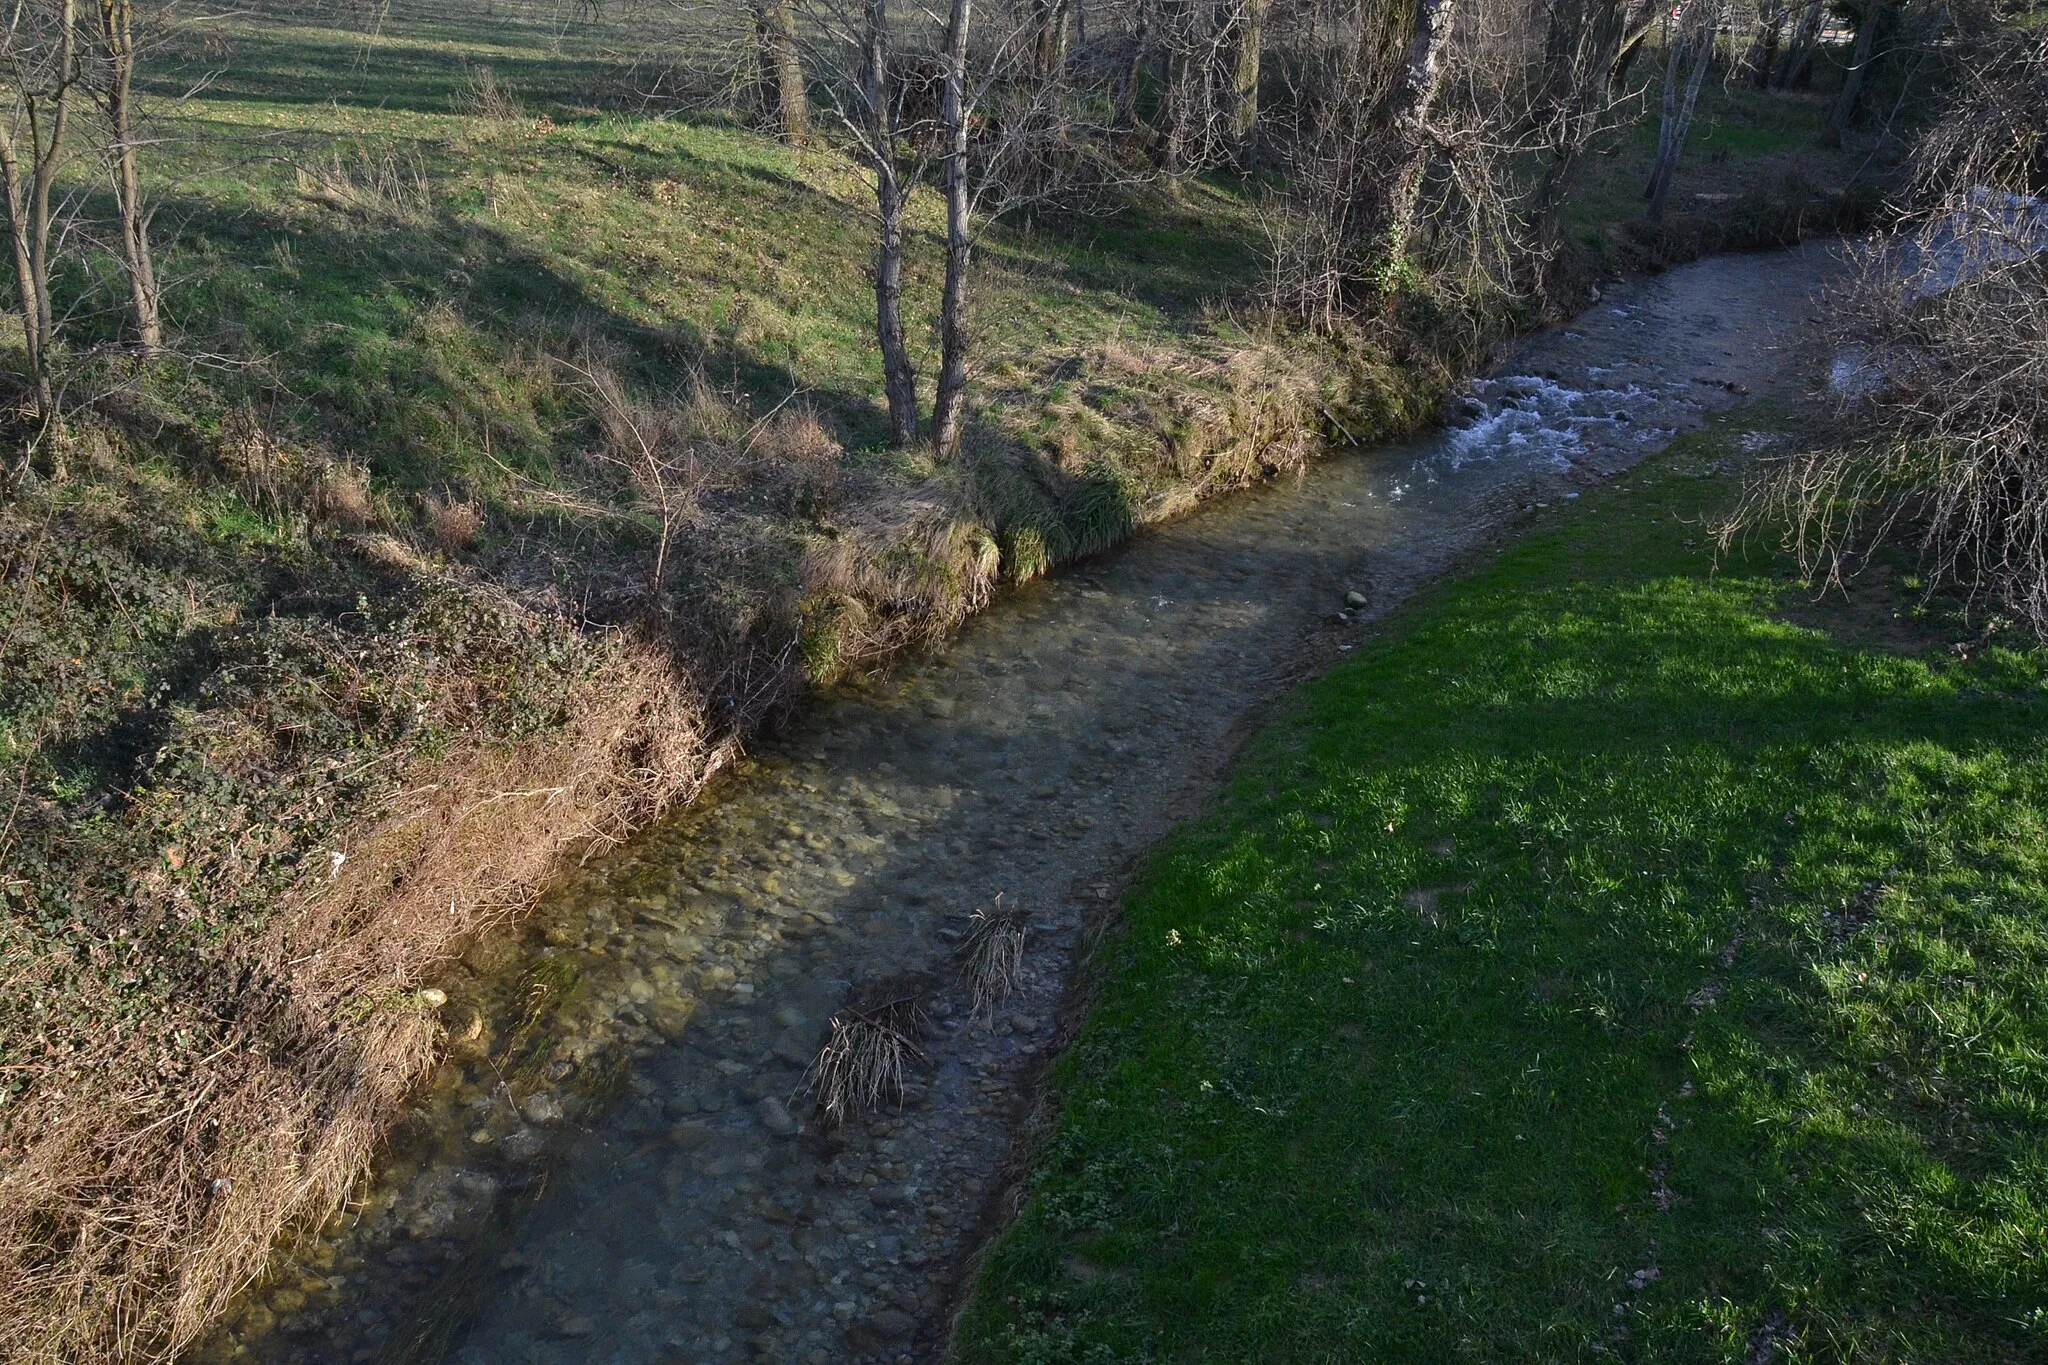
(615, 1163)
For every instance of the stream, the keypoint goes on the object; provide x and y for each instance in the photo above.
(616, 1162)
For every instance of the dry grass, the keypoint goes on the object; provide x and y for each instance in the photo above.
(385, 187)
(992, 956)
(454, 523)
(484, 96)
(125, 1228)
(865, 1061)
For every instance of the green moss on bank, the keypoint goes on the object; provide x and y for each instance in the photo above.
(1600, 965)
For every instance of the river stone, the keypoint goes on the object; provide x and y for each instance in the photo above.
(891, 1324)
(776, 1118)
(543, 1108)
(889, 1196)
(688, 1137)
(522, 1144)
(793, 1048)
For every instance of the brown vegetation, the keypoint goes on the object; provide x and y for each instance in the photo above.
(1945, 378)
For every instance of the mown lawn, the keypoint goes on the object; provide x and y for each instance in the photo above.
(1599, 965)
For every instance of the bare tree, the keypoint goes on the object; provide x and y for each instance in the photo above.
(853, 47)
(1868, 20)
(1797, 72)
(1011, 136)
(1685, 62)
(115, 92)
(1247, 44)
(1580, 43)
(1190, 84)
(1945, 435)
(1763, 47)
(1138, 47)
(1643, 18)
(1052, 19)
(42, 76)
(784, 96)
(1405, 140)
(949, 407)
(879, 102)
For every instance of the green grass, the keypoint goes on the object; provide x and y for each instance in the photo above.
(681, 240)
(1600, 964)
(1745, 144)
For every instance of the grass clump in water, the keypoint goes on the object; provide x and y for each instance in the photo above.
(1602, 964)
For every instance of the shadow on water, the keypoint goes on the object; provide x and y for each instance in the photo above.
(618, 1165)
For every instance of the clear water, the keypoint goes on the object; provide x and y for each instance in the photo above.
(620, 1166)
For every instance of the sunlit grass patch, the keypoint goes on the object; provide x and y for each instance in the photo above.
(1601, 965)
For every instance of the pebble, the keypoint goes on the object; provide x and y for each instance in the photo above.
(892, 1324)
(776, 1118)
(689, 1137)
(1356, 599)
(522, 1144)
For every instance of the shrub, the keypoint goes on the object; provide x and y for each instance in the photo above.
(1945, 382)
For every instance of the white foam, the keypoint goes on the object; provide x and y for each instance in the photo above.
(1533, 419)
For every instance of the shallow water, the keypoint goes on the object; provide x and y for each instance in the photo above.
(620, 1167)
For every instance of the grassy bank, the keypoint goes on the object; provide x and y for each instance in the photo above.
(323, 640)
(1620, 958)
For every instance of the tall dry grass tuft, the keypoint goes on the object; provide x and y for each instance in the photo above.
(484, 96)
(454, 523)
(992, 956)
(1945, 381)
(866, 1060)
(379, 187)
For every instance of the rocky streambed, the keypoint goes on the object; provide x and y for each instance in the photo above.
(619, 1163)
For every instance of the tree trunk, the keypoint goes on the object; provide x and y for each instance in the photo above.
(783, 95)
(1405, 119)
(26, 282)
(899, 380)
(1134, 65)
(1860, 59)
(1797, 73)
(117, 35)
(46, 165)
(1692, 49)
(1579, 59)
(1763, 48)
(1248, 40)
(1640, 24)
(1049, 44)
(950, 406)
(42, 112)
(1184, 71)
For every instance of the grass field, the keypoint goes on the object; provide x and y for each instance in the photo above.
(361, 555)
(400, 227)
(1622, 958)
